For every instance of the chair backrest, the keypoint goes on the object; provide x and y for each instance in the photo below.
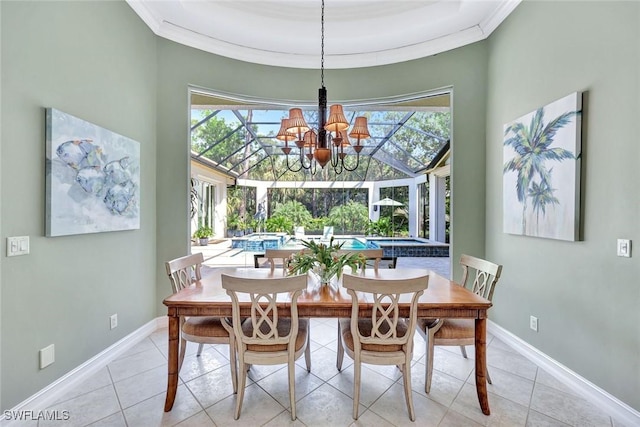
(279, 254)
(184, 271)
(327, 233)
(486, 275)
(263, 295)
(385, 295)
(371, 255)
(298, 232)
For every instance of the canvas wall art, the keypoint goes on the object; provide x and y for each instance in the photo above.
(92, 177)
(541, 171)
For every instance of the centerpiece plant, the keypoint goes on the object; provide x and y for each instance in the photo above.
(324, 260)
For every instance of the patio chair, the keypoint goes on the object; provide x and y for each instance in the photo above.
(382, 337)
(327, 233)
(266, 338)
(298, 232)
(460, 332)
(182, 273)
(279, 255)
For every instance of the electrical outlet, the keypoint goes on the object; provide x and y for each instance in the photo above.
(114, 321)
(47, 356)
(533, 323)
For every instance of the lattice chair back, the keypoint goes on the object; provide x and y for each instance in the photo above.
(184, 271)
(486, 275)
(263, 296)
(387, 327)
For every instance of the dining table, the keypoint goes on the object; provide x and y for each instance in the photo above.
(443, 298)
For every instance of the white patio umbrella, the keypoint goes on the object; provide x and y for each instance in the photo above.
(387, 202)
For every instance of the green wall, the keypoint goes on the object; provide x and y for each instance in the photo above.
(463, 69)
(586, 298)
(97, 61)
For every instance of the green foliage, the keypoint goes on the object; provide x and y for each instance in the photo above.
(317, 224)
(203, 232)
(294, 212)
(352, 216)
(324, 260)
(381, 227)
(279, 224)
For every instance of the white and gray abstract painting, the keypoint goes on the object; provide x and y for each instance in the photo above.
(92, 177)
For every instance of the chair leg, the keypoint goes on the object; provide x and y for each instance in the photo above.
(242, 379)
(463, 350)
(292, 388)
(307, 351)
(340, 350)
(406, 377)
(233, 363)
(357, 366)
(488, 377)
(183, 350)
(200, 347)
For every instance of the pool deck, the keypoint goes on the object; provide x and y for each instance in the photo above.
(220, 254)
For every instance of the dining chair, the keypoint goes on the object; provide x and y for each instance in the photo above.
(281, 255)
(372, 256)
(382, 337)
(265, 337)
(459, 332)
(182, 273)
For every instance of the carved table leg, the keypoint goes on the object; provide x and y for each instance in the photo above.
(172, 381)
(481, 365)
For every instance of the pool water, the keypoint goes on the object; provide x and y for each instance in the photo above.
(346, 244)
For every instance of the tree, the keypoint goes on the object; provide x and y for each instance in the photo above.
(541, 196)
(351, 216)
(532, 147)
(294, 212)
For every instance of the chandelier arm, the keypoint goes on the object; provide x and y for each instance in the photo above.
(356, 166)
(289, 166)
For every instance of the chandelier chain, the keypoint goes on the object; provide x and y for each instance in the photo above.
(322, 47)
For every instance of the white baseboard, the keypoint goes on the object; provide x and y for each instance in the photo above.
(619, 410)
(50, 393)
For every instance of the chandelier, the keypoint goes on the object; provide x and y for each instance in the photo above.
(327, 144)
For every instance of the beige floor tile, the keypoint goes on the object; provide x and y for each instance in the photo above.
(392, 407)
(323, 363)
(511, 362)
(504, 412)
(324, 334)
(283, 419)
(135, 364)
(508, 385)
(150, 412)
(135, 389)
(115, 420)
(444, 388)
(195, 366)
(87, 408)
(567, 408)
(454, 419)
(326, 406)
(536, 419)
(452, 364)
(258, 408)
(370, 419)
(277, 384)
(545, 378)
(372, 384)
(212, 387)
(201, 419)
(98, 380)
(144, 345)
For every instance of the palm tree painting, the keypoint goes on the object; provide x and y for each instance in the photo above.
(541, 171)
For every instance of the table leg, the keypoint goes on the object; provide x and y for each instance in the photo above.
(481, 365)
(172, 381)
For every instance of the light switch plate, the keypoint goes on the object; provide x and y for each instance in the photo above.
(624, 248)
(18, 245)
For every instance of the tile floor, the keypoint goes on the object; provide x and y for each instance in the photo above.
(130, 391)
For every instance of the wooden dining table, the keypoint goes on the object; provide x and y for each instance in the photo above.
(442, 298)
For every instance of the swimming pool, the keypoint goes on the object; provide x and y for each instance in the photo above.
(391, 247)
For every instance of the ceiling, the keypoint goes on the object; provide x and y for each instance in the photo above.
(358, 33)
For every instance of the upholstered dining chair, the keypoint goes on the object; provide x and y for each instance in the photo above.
(459, 332)
(182, 273)
(382, 338)
(265, 337)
